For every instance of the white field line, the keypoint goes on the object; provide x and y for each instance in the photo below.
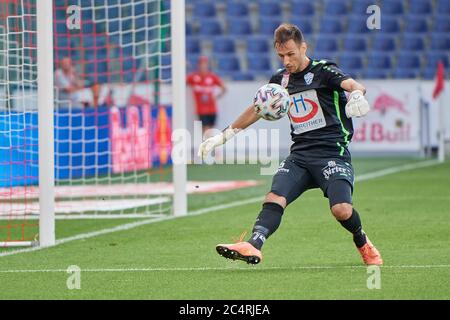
(249, 268)
(128, 226)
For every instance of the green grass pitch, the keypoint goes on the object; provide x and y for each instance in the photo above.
(406, 215)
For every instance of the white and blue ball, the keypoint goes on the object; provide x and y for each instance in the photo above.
(271, 102)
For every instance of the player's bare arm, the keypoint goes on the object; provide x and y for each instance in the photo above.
(246, 119)
(351, 85)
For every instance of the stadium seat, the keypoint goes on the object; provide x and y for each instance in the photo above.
(102, 78)
(267, 26)
(236, 9)
(357, 24)
(376, 74)
(258, 62)
(336, 7)
(62, 42)
(210, 27)
(422, 7)
(192, 46)
(166, 60)
(61, 27)
(100, 41)
(350, 43)
(62, 53)
(412, 42)
(204, 9)
(223, 45)
(139, 8)
(326, 43)
(390, 25)
(102, 67)
(87, 27)
(128, 65)
(269, 8)
(433, 58)
(239, 26)
(441, 23)
(60, 13)
(305, 24)
(113, 12)
(330, 25)
(126, 51)
(328, 55)
(302, 8)
(191, 62)
(416, 24)
(350, 61)
(408, 60)
(140, 23)
(189, 30)
(440, 41)
(383, 42)
(88, 42)
(443, 7)
(401, 73)
(228, 63)
(257, 44)
(166, 74)
(359, 7)
(379, 61)
(429, 73)
(243, 76)
(393, 7)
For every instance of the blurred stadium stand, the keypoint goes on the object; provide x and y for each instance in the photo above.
(237, 35)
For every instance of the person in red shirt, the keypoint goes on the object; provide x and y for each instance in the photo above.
(204, 83)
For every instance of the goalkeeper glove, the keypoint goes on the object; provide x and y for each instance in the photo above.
(357, 105)
(209, 144)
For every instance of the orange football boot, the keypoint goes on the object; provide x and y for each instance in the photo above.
(370, 254)
(240, 251)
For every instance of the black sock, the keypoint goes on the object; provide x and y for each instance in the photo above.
(267, 223)
(353, 224)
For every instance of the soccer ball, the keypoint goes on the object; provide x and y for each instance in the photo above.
(271, 102)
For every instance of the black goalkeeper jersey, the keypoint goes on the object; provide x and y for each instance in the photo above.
(319, 126)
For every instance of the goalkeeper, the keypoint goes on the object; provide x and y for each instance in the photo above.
(321, 130)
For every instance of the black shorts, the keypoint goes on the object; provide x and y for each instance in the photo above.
(208, 119)
(296, 175)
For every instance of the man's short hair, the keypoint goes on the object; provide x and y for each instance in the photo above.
(286, 32)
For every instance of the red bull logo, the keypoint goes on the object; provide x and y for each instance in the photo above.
(130, 145)
(385, 102)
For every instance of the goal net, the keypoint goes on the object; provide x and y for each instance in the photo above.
(113, 97)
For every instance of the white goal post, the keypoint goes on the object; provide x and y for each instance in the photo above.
(75, 158)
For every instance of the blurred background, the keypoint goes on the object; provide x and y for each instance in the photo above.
(414, 35)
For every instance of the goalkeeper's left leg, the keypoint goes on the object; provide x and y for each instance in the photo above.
(339, 193)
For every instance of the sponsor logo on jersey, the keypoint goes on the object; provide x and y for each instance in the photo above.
(281, 168)
(285, 80)
(305, 112)
(309, 78)
(328, 171)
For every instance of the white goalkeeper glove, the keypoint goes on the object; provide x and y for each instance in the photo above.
(357, 105)
(209, 144)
